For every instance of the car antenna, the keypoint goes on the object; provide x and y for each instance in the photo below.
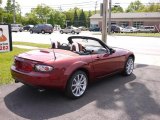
(53, 50)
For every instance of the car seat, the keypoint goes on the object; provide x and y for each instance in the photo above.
(76, 47)
(55, 44)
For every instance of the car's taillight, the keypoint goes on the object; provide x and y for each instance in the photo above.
(24, 66)
(43, 68)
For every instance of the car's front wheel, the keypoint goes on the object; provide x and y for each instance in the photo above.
(129, 66)
(77, 85)
(73, 32)
(61, 32)
(31, 31)
(43, 32)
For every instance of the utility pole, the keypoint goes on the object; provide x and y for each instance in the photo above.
(14, 12)
(109, 18)
(95, 8)
(104, 21)
(60, 9)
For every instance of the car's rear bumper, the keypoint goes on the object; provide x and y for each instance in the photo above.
(43, 80)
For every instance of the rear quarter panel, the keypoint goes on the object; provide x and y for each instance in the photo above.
(64, 68)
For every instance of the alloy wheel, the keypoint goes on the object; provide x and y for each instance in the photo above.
(129, 66)
(79, 85)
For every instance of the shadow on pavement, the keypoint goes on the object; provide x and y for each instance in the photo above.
(117, 92)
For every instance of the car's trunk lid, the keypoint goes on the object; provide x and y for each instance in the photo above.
(47, 55)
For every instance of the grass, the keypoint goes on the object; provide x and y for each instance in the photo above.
(7, 58)
(132, 34)
(138, 34)
(32, 44)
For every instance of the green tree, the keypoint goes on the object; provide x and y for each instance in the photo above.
(0, 1)
(135, 6)
(153, 7)
(57, 18)
(30, 18)
(117, 9)
(9, 7)
(82, 19)
(89, 14)
(69, 16)
(42, 12)
(75, 18)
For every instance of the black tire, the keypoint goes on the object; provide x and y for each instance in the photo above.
(73, 32)
(43, 32)
(77, 85)
(77, 33)
(129, 66)
(61, 32)
(31, 31)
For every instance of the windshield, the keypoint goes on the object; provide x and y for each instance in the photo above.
(87, 42)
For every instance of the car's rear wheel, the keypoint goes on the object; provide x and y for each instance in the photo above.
(43, 32)
(31, 31)
(129, 66)
(77, 85)
(73, 32)
(61, 32)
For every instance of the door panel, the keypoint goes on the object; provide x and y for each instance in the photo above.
(105, 64)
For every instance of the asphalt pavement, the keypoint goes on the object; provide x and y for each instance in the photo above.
(136, 97)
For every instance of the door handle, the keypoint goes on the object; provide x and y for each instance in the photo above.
(97, 58)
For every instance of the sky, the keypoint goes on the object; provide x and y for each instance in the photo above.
(63, 5)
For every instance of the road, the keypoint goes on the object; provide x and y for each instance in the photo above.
(136, 97)
(146, 49)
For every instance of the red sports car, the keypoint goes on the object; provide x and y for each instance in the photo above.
(71, 66)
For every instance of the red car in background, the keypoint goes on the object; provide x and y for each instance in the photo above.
(72, 66)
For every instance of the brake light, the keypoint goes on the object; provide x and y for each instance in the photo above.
(43, 68)
(23, 66)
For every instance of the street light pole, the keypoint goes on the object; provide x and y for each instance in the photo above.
(109, 18)
(104, 21)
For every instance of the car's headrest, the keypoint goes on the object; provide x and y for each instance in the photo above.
(55, 44)
(76, 47)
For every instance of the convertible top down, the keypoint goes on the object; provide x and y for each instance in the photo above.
(71, 66)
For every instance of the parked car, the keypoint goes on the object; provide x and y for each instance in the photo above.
(42, 28)
(150, 29)
(16, 28)
(116, 29)
(130, 29)
(28, 27)
(94, 29)
(83, 28)
(71, 67)
(70, 29)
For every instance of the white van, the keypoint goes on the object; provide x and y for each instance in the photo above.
(150, 29)
(16, 28)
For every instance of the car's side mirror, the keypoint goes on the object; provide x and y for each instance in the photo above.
(112, 51)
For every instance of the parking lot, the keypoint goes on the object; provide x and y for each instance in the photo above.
(120, 98)
(136, 97)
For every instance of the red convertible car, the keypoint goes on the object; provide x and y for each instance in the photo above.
(71, 66)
